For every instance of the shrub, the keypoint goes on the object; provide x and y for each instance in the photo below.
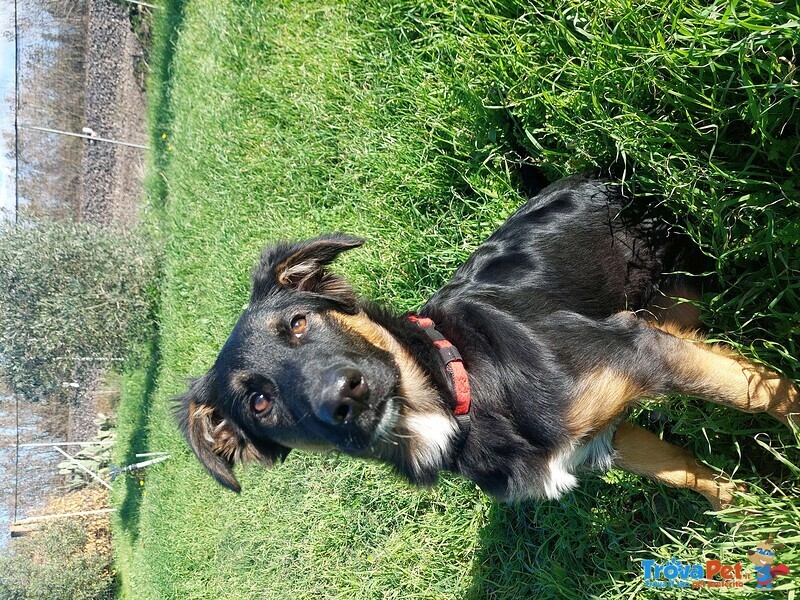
(76, 298)
(54, 564)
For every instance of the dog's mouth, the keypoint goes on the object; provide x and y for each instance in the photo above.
(370, 431)
(387, 416)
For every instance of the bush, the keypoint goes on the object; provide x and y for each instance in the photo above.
(54, 564)
(76, 298)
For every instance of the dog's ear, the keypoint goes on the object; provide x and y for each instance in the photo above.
(302, 266)
(215, 439)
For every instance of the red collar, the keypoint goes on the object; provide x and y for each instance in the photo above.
(453, 363)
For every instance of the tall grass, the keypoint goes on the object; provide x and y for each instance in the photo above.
(409, 123)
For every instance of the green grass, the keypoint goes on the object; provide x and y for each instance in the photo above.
(406, 123)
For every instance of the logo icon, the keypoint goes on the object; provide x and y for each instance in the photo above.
(763, 557)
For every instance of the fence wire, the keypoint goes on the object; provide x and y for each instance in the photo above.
(80, 68)
(80, 71)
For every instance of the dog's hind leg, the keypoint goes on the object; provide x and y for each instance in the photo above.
(675, 306)
(644, 453)
(651, 360)
(658, 359)
(719, 374)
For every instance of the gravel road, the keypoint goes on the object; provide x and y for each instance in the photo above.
(112, 174)
(115, 109)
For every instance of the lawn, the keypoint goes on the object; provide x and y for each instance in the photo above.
(408, 123)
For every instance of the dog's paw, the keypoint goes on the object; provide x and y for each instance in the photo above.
(725, 494)
(786, 406)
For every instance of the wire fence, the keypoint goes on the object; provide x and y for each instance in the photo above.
(79, 134)
(79, 147)
(52, 450)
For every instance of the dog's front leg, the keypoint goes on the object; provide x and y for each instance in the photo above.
(644, 453)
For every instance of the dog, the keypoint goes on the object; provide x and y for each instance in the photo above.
(516, 374)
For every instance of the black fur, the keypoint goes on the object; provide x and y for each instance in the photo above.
(537, 306)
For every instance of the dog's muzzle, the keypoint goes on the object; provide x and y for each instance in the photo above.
(344, 396)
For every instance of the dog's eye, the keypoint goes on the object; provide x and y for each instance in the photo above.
(299, 325)
(259, 402)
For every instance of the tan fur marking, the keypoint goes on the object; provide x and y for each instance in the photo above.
(602, 396)
(286, 273)
(414, 383)
(239, 381)
(720, 374)
(207, 427)
(199, 422)
(290, 267)
(674, 307)
(678, 330)
(645, 454)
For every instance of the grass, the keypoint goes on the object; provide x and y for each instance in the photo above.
(407, 123)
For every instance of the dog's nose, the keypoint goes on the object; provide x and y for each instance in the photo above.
(345, 395)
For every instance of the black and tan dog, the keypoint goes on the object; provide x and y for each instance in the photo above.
(561, 322)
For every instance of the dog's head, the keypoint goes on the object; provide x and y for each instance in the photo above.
(304, 367)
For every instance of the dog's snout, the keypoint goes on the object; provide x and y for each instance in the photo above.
(345, 395)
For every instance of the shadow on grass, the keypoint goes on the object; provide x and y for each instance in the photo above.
(129, 511)
(168, 26)
(159, 90)
(577, 548)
